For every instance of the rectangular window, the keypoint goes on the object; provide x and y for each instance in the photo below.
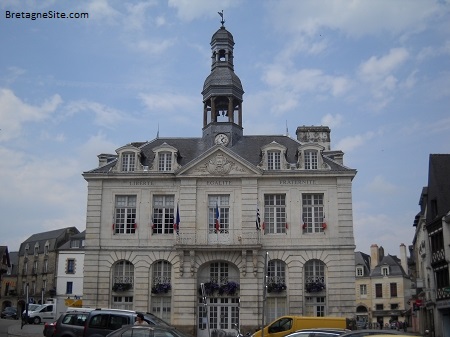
(378, 290)
(311, 162)
(313, 215)
(273, 160)
(45, 270)
(69, 287)
(385, 271)
(125, 214)
(359, 271)
(394, 306)
(122, 302)
(379, 307)
(275, 213)
(222, 203)
(163, 214)
(128, 162)
(276, 307)
(70, 266)
(35, 267)
(363, 289)
(75, 244)
(315, 306)
(165, 161)
(393, 288)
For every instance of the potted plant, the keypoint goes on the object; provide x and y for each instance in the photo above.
(118, 287)
(276, 287)
(160, 288)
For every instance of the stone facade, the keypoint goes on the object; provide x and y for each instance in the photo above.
(166, 217)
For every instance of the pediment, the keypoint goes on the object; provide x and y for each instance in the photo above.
(219, 162)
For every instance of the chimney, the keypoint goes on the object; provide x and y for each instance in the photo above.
(314, 134)
(104, 158)
(403, 258)
(374, 258)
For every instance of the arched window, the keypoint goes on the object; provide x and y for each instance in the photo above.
(276, 288)
(315, 288)
(122, 285)
(161, 290)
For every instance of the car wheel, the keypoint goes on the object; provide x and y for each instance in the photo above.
(36, 320)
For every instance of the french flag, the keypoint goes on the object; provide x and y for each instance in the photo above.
(217, 224)
(176, 225)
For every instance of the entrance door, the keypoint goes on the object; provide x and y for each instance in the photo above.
(222, 313)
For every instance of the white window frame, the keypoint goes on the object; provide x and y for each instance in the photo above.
(276, 271)
(128, 163)
(385, 271)
(275, 213)
(163, 214)
(165, 161)
(313, 212)
(123, 272)
(125, 214)
(359, 271)
(273, 160)
(363, 289)
(315, 303)
(223, 203)
(311, 159)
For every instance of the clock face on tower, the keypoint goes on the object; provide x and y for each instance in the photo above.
(221, 139)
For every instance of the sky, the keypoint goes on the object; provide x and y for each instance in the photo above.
(376, 72)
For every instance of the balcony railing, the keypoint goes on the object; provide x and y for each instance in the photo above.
(223, 237)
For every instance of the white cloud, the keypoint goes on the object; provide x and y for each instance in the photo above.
(14, 113)
(350, 143)
(380, 185)
(332, 121)
(353, 18)
(169, 102)
(103, 115)
(189, 10)
(380, 68)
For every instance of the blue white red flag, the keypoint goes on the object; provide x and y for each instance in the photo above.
(176, 225)
(217, 223)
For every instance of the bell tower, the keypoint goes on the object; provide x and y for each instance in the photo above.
(222, 93)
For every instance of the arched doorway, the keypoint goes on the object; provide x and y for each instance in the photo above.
(362, 317)
(221, 290)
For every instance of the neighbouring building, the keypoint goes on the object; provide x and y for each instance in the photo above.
(383, 288)
(5, 267)
(38, 255)
(171, 217)
(431, 247)
(70, 268)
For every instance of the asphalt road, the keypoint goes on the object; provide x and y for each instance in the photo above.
(12, 328)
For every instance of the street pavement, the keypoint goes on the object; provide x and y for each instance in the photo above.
(28, 330)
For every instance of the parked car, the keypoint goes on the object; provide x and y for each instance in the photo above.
(147, 330)
(49, 329)
(9, 312)
(70, 324)
(363, 333)
(325, 332)
(101, 322)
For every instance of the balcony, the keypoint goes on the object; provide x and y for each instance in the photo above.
(225, 238)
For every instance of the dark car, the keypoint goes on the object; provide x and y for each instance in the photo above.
(69, 324)
(49, 329)
(9, 312)
(101, 322)
(147, 331)
(318, 332)
(363, 333)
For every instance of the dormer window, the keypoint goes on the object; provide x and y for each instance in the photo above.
(36, 249)
(273, 160)
(311, 161)
(165, 158)
(46, 248)
(128, 162)
(27, 249)
(273, 157)
(165, 161)
(385, 271)
(310, 157)
(359, 271)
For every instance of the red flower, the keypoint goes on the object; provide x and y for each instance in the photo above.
(324, 225)
(304, 225)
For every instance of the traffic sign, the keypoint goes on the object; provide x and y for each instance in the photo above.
(447, 290)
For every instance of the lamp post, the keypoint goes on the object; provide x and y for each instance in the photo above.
(25, 318)
(42, 296)
(266, 262)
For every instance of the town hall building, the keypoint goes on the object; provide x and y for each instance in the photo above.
(171, 217)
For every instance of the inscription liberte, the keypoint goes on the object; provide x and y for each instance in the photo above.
(141, 183)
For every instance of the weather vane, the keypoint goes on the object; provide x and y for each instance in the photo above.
(221, 15)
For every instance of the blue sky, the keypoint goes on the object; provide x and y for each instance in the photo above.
(376, 72)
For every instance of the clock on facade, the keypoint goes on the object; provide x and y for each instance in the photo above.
(221, 139)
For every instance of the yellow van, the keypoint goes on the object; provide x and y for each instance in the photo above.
(285, 325)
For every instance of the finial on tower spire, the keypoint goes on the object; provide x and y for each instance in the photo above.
(221, 15)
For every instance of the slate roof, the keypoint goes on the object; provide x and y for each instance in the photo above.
(247, 147)
(79, 237)
(395, 267)
(438, 185)
(362, 259)
(55, 238)
(4, 255)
